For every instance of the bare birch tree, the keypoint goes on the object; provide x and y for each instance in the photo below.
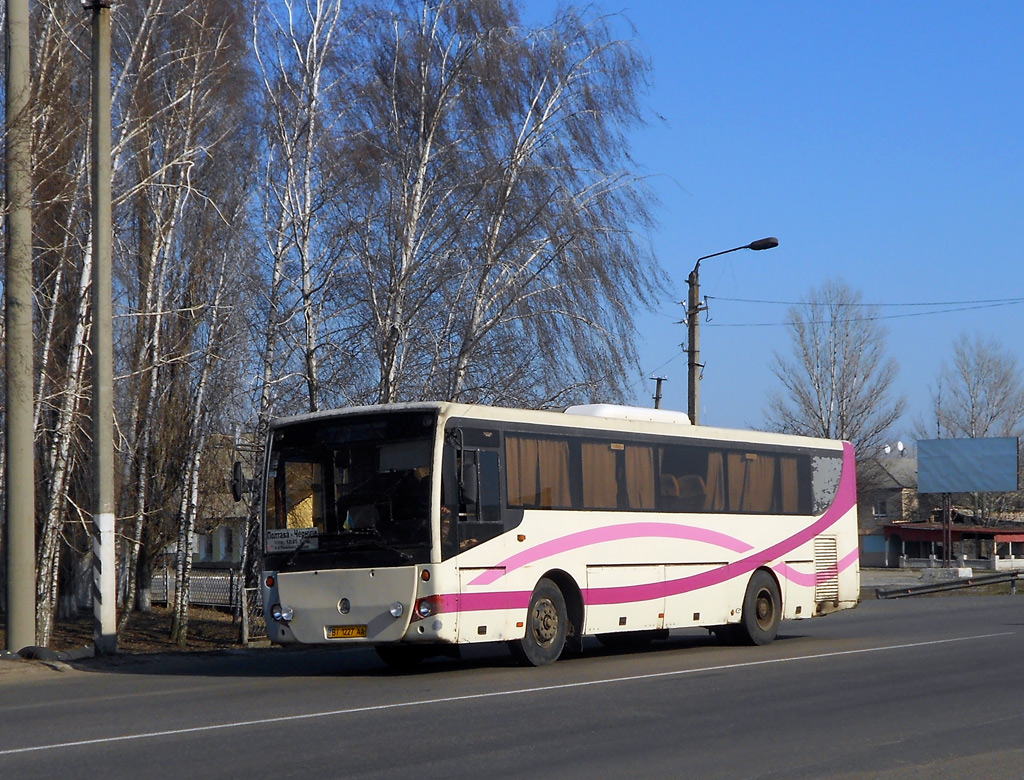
(301, 54)
(62, 272)
(838, 381)
(979, 393)
(188, 81)
(446, 207)
(499, 232)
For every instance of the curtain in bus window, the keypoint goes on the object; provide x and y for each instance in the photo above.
(538, 472)
(600, 487)
(640, 476)
(790, 487)
(761, 473)
(750, 482)
(521, 483)
(714, 501)
(553, 471)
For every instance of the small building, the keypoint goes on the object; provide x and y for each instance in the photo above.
(999, 547)
(887, 490)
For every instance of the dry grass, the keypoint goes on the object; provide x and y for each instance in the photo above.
(208, 629)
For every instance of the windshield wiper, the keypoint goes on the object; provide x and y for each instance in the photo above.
(298, 549)
(373, 536)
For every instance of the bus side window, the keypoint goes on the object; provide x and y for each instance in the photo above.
(488, 497)
(480, 504)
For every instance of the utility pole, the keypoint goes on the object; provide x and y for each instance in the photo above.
(693, 310)
(102, 341)
(20, 544)
(657, 390)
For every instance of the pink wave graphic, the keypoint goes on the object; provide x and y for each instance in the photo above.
(809, 580)
(612, 533)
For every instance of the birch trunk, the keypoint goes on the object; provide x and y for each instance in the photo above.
(198, 433)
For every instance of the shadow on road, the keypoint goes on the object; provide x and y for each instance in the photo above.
(361, 662)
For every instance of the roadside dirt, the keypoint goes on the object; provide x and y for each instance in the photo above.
(208, 629)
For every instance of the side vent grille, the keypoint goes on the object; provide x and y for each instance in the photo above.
(826, 569)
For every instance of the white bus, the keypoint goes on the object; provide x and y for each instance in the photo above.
(417, 528)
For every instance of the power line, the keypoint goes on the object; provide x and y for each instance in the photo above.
(993, 301)
(955, 308)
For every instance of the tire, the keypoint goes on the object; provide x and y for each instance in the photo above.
(762, 609)
(547, 622)
(400, 656)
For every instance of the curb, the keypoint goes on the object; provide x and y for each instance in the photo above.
(33, 653)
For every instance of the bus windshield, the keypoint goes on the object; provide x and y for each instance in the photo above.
(350, 493)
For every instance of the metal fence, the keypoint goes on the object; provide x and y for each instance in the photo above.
(217, 588)
(206, 588)
(254, 624)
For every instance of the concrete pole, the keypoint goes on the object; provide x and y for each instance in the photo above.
(20, 484)
(104, 565)
(693, 367)
(20, 449)
(659, 380)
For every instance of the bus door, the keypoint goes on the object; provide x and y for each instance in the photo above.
(472, 528)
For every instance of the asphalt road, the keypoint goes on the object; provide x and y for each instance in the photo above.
(925, 688)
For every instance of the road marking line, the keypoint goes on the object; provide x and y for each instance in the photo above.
(488, 695)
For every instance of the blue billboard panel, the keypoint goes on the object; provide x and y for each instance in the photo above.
(967, 465)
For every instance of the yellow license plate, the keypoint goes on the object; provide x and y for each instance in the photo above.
(346, 632)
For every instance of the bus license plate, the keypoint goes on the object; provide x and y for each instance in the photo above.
(346, 632)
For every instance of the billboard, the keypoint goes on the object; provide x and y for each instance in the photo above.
(967, 465)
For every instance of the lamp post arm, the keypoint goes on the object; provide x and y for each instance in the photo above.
(723, 252)
(693, 308)
(757, 246)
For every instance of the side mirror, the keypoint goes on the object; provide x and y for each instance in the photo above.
(237, 481)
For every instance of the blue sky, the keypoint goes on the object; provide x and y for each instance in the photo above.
(879, 141)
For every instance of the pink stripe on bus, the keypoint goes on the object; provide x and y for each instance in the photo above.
(612, 533)
(810, 579)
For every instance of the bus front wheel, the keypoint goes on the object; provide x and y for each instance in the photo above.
(547, 622)
(762, 609)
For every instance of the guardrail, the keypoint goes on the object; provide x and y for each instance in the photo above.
(939, 587)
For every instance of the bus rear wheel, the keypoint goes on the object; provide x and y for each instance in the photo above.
(547, 622)
(762, 609)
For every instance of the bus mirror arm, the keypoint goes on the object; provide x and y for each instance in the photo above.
(237, 481)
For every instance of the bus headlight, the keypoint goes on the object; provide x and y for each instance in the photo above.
(281, 614)
(396, 609)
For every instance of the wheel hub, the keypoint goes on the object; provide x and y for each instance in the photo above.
(545, 621)
(764, 609)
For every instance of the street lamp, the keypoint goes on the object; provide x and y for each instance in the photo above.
(693, 310)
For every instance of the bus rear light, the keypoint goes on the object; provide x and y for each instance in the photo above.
(425, 575)
(426, 606)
